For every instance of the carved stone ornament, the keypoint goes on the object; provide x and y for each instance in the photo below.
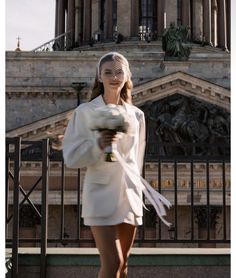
(180, 125)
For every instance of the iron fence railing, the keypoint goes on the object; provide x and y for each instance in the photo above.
(199, 186)
(63, 42)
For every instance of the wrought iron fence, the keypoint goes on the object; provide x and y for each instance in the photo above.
(198, 187)
(62, 42)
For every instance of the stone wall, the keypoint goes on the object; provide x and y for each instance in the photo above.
(41, 84)
(60, 69)
(26, 109)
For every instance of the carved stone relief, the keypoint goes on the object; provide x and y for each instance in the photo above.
(181, 125)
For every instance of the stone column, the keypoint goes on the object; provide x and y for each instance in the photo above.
(56, 18)
(214, 23)
(87, 21)
(61, 17)
(222, 42)
(171, 12)
(207, 22)
(78, 21)
(108, 32)
(96, 11)
(228, 19)
(134, 18)
(60, 43)
(197, 19)
(124, 17)
(70, 26)
(161, 17)
(186, 21)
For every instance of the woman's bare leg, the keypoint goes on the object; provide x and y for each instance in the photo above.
(109, 247)
(126, 235)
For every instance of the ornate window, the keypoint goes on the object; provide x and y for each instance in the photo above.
(148, 15)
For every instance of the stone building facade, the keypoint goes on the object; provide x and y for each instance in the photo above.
(43, 88)
(209, 20)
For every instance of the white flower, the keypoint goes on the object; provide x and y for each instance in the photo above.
(112, 117)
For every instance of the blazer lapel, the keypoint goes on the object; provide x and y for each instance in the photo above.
(98, 101)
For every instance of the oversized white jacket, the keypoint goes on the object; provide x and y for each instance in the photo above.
(104, 180)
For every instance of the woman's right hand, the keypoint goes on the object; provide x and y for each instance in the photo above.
(107, 137)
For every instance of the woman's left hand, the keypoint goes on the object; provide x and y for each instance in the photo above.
(107, 137)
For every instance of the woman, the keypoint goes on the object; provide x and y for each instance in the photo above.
(112, 203)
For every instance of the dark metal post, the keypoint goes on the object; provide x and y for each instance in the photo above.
(176, 200)
(142, 229)
(62, 199)
(7, 188)
(78, 86)
(208, 200)
(224, 200)
(78, 207)
(15, 242)
(192, 202)
(159, 190)
(44, 208)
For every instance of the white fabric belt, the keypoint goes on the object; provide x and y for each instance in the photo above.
(155, 198)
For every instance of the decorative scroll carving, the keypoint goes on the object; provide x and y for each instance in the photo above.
(180, 125)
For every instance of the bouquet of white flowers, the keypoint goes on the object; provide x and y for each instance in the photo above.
(111, 117)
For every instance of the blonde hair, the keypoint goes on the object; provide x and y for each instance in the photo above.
(98, 88)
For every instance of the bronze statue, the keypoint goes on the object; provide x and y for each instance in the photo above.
(174, 42)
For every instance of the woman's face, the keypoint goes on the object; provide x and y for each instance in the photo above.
(113, 76)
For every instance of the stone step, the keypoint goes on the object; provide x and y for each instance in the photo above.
(143, 262)
(137, 46)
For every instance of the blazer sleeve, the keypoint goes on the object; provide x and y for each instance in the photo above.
(142, 142)
(80, 144)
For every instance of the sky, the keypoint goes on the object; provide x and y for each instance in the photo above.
(33, 21)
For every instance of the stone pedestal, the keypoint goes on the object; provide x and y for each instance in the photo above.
(173, 66)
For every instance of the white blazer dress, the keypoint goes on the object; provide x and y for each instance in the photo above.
(109, 197)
